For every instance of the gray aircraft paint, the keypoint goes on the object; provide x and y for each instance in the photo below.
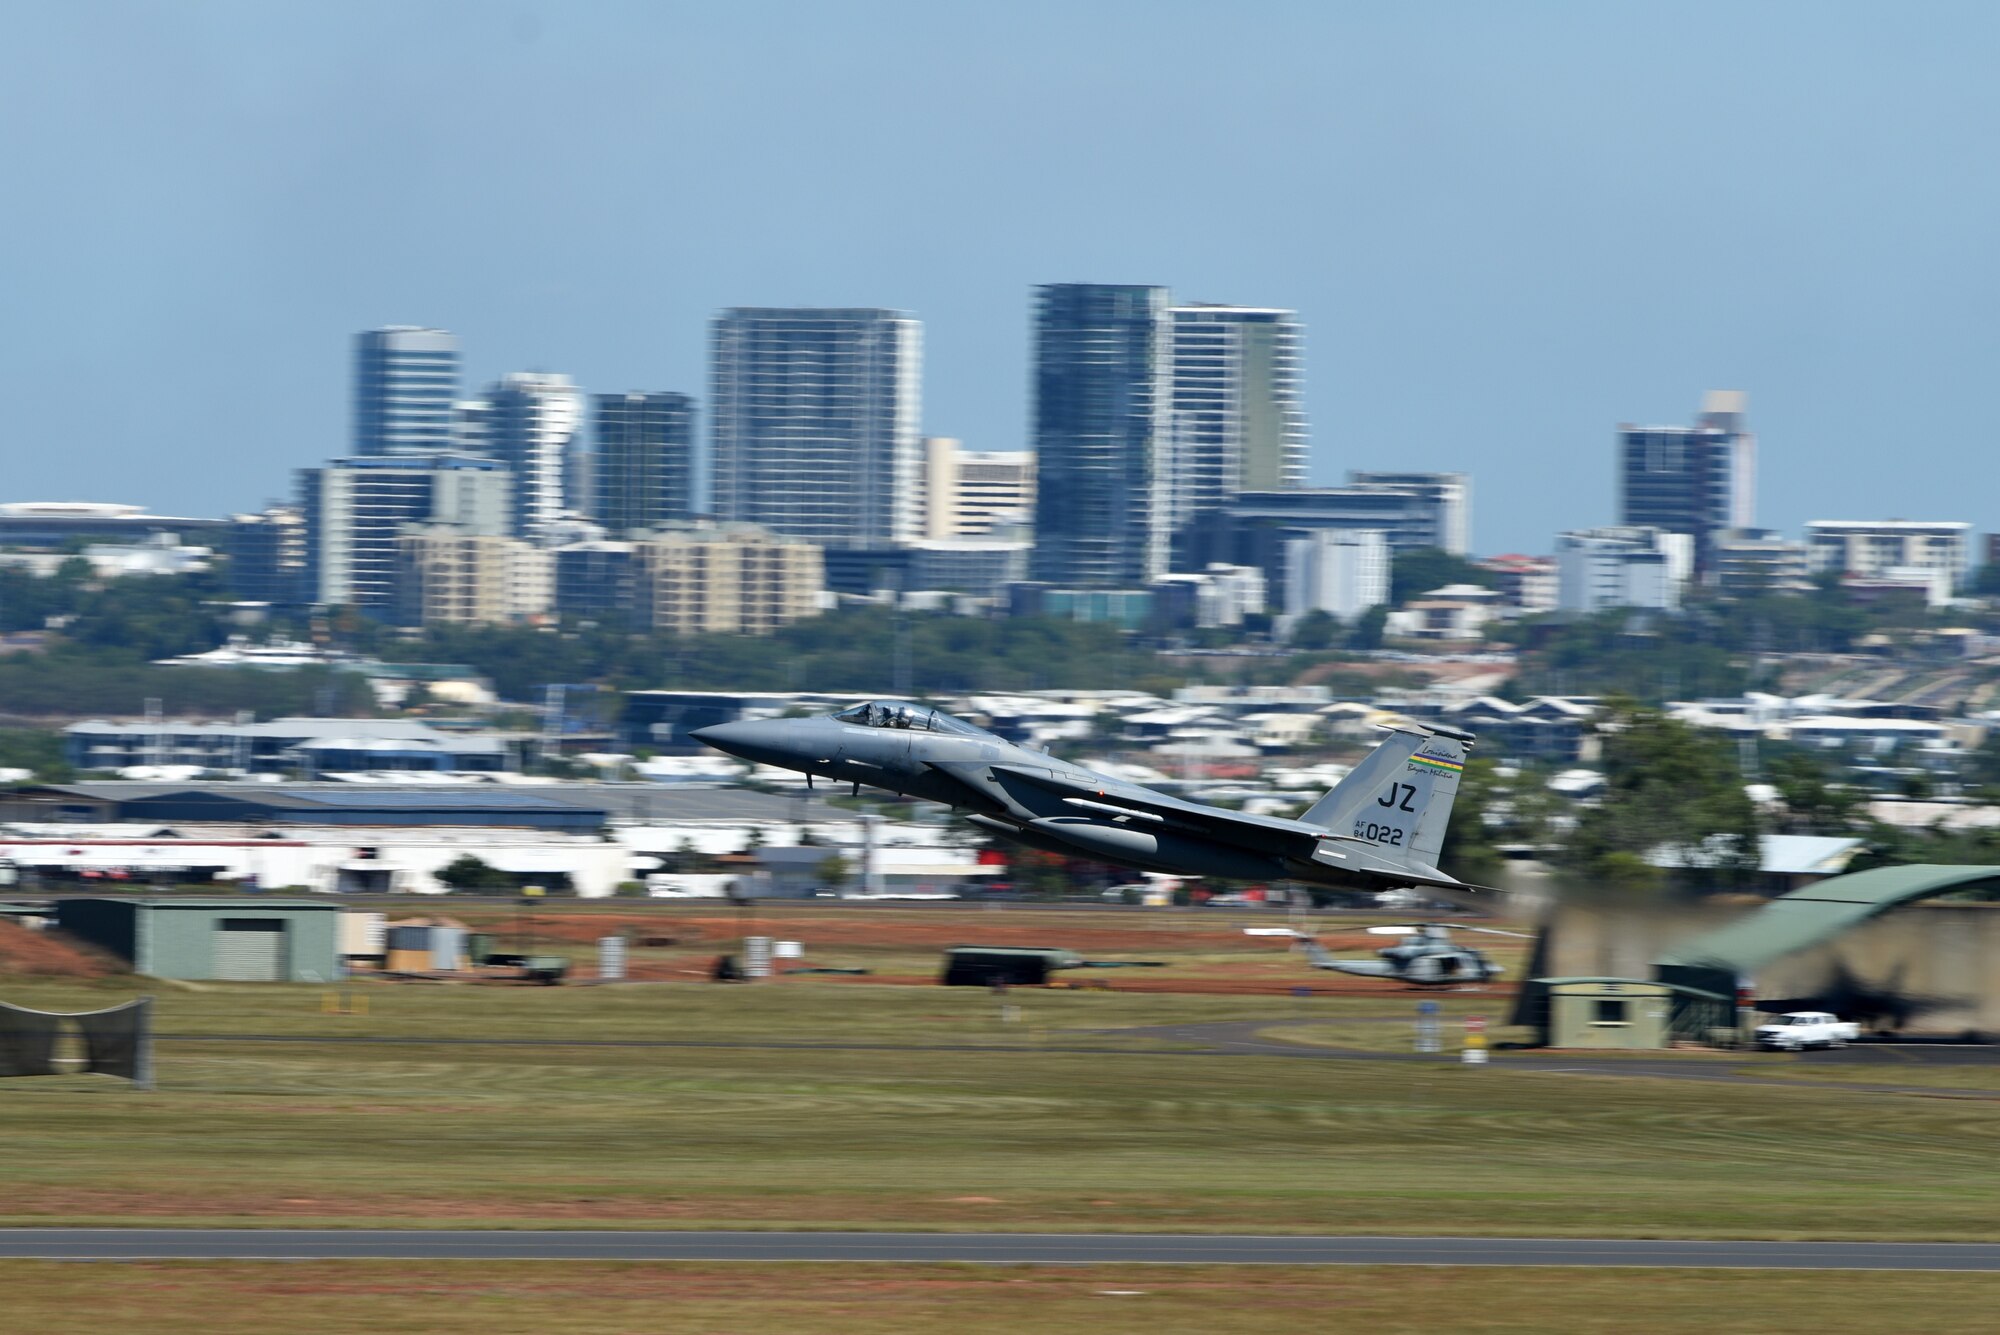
(1380, 827)
(1400, 795)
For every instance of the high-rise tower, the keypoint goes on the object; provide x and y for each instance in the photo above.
(813, 422)
(1695, 480)
(534, 427)
(645, 460)
(1102, 385)
(356, 509)
(405, 383)
(1237, 423)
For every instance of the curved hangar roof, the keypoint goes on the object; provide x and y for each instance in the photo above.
(1818, 912)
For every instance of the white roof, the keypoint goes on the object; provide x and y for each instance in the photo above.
(1778, 854)
(1893, 525)
(70, 509)
(1834, 723)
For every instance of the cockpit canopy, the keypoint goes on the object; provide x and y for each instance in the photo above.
(903, 714)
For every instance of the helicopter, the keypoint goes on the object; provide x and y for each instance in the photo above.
(1427, 957)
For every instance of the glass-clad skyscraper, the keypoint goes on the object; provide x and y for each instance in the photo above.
(645, 460)
(535, 428)
(356, 509)
(405, 384)
(1696, 480)
(1102, 389)
(813, 422)
(1238, 424)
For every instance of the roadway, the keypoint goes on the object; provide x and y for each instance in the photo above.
(293, 1244)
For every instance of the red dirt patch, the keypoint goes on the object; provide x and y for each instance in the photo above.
(1237, 986)
(50, 954)
(956, 928)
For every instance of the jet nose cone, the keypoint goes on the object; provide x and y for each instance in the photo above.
(722, 735)
(758, 740)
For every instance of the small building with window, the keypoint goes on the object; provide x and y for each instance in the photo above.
(1620, 1013)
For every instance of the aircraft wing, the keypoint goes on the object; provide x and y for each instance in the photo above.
(1143, 808)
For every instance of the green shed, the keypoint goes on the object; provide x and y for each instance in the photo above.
(228, 940)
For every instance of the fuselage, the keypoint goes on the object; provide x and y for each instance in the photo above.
(1058, 806)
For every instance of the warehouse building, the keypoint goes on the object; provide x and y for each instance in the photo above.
(1912, 950)
(312, 745)
(303, 804)
(229, 940)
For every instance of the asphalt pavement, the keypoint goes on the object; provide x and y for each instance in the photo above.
(112, 1244)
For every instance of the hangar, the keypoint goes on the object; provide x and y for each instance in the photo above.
(1840, 945)
(232, 940)
(1896, 949)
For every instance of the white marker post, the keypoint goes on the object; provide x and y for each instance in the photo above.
(1427, 1026)
(1475, 1040)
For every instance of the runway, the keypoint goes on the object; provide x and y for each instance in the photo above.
(293, 1244)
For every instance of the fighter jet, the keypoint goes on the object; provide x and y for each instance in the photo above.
(1380, 827)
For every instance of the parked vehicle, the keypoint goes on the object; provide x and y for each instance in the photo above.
(1806, 1029)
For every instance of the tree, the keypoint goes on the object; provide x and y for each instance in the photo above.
(1315, 630)
(1366, 633)
(1647, 656)
(1982, 767)
(467, 874)
(35, 750)
(1814, 803)
(834, 870)
(1670, 789)
(1426, 568)
(1468, 852)
(1490, 810)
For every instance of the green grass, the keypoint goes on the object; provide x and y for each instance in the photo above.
(1971, 1080)
(476, 1298)
(797, 1009)
(1019, 1136)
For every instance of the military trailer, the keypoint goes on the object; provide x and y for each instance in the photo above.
(1008, 966)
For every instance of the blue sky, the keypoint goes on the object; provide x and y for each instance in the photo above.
(1508, 227)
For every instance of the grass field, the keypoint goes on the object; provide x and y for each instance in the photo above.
(901, 1134)
(180, 1298)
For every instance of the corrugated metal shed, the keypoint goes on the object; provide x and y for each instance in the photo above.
(1807, 917)
(242, 940)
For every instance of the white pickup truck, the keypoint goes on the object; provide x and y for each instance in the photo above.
(1806, 1029)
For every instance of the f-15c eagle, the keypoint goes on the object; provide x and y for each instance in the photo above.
(1380, 827)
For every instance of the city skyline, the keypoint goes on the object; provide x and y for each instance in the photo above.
(1492, 280)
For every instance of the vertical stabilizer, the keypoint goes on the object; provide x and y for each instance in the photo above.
(1400, 796)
